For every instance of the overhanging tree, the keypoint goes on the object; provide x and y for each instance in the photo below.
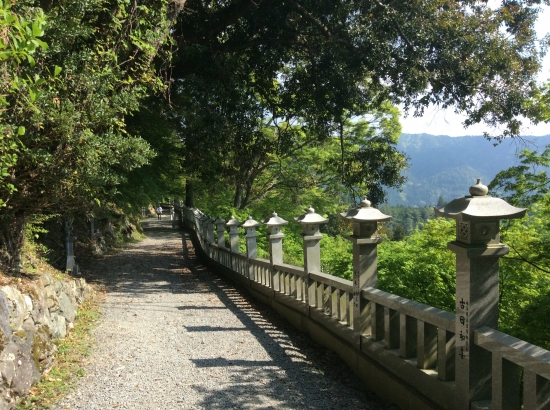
(100, 61)
(318, 62)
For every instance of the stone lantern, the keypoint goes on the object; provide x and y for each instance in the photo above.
(250, 226)
(220, 231)
(365, 240)
(311, 224)
(275, 237)
(233, 224)
(478, 249)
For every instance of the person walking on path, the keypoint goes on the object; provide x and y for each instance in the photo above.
(159, 212)
(174, 336)
(171, 212)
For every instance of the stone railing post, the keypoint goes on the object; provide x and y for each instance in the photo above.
(250, 226)
(311, 236)
(233, 225)
(220, 231)
(365, 241)
(275, 237)
(210, 231)
(478, 249)
(196, 216)
(209, 228)
(203, 230)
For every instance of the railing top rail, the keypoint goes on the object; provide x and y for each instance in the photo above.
(524, 354)
(429, 314)
(334, 281)
(261, 262)
(295, 270)
(239, 255)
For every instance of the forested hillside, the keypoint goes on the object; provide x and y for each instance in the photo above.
(443, 166)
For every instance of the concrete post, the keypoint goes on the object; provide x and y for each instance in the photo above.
(365, 274)
(250, 226)
(220, 231)
(209, 231)
(203, 231)
(478, 249)
(233, 224)
(311, 236)
(275, 237)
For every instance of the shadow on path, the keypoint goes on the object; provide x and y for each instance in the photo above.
(282, 368)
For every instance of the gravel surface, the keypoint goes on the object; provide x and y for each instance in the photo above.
(175, 336)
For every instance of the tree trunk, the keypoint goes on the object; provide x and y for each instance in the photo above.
(12, 238)
(189, 193)
(238, 200)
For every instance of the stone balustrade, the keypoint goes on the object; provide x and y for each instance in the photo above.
(411, 354)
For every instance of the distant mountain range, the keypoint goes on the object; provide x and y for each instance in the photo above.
(447, 166)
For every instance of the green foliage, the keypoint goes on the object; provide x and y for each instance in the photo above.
(527, 183)
(420, 267)
(405, 220)
(321, 58)
(525, 276)
(74, 148)
(19, 39)
(337, 257)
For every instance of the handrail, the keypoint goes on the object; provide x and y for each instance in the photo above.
(295, 270)
(333, 281)
(524, 354)
(414, 342)
(429, 314)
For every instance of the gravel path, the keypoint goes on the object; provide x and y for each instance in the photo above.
(175, 336)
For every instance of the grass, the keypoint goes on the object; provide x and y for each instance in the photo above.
(72, 356)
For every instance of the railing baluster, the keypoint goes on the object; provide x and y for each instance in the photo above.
(336, 305)
(310, 294)
(287, 284)
(446, 355)
(299, 288)
(327, 305)
(427, 345)
(349, 308)
(408, 336)
(320, 291)
(506, 394)
(391, 328)
(377, 322)
(536, 391)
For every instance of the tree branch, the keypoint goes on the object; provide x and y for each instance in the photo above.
(523, 259)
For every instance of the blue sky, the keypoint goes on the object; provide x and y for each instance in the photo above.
(445, 122)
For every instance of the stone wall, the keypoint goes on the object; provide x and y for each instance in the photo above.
(29, 322)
